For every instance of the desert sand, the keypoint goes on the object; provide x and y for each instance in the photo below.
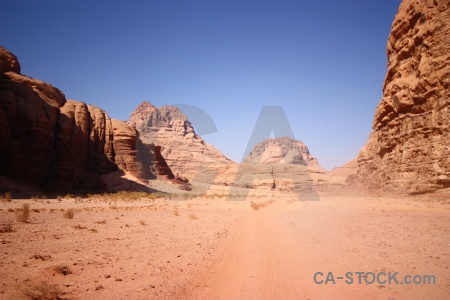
(214, 247)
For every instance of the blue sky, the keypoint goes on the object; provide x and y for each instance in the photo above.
(324, 62)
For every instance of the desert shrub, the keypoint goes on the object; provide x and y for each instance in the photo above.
(68, 214)
(41, 291)
(6, 228)
(41, 257)
(23, 215)
(142, 222)
(62, 269)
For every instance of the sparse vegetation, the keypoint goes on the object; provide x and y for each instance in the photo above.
(62, 269)
(41, 257)
(6, 228)
(41, 291)
(193, 217)
(79, 227)
(129, 196)
(23, 214)
(142, 222)
(175, 211)
(69, 214)
(257, 206)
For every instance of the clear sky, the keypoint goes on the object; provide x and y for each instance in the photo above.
(323, 61)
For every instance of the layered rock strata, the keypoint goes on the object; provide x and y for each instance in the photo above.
(58, 144)
(409, 147)
(187, 154)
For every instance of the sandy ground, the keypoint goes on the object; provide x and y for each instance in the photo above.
(222, 249)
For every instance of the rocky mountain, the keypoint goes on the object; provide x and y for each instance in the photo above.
(409, 147)
(64, 145)
(186, 153)
(282, 150)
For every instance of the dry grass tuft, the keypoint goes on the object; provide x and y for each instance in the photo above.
(257, 206)
(193, 217)
(175, 211)
(23, 214)
(6, 228)
(41, 257)
(68, 214)
(79, 227)
(42, 291)
(142, 222)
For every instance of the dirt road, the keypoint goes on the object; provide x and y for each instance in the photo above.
(273, 253)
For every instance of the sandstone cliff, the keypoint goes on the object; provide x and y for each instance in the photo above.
(409, 147)
(57, 144)
(186, 153)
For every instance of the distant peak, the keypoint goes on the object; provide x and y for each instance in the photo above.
(282, 150)
(145, 105)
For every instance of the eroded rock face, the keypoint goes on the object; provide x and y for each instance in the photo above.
(82, 148)
(186, 153)
(282, 150)
(65, 145)
(409, 147)
(29, 111)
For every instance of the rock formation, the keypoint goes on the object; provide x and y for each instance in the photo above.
(282, 150)
(409, 147)
(57, 144)
(186, 153)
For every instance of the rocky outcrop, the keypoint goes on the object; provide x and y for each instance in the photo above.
(282, 150)
(65, 145)
(8, 62)
(82, 148)
(409, 147)
(186, 153)
(29, 112)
